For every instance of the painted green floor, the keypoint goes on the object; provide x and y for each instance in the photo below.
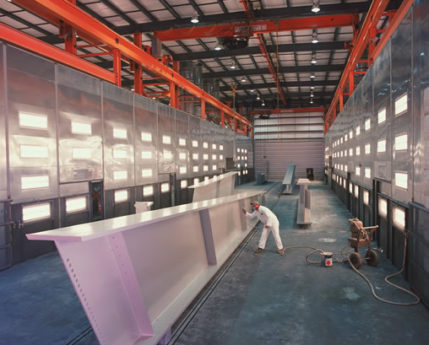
(259, 299)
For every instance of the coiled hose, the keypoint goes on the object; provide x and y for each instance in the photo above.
(346, 258)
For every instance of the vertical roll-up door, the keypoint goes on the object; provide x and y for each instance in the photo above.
(273, 157)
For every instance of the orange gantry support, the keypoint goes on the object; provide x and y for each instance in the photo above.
(288, 111)
(364, 39)
(61, 12)
(254, 27)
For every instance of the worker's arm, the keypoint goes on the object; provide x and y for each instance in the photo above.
(249, 215)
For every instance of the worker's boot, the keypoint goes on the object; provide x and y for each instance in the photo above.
(281, 251)
(259, 251)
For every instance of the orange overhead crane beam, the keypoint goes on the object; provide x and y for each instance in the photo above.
(254, 27)
(62, 11)
(364, 39)
(288, 111)
(249, 12)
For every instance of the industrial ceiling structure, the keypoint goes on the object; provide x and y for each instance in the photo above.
(252, 55)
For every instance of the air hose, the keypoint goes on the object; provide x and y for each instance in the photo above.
(371, 286)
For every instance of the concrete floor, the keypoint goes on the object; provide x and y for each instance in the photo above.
(259, 299)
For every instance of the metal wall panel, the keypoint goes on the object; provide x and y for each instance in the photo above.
(31, 126)
(402, 124)
(195, 159)
(118, 136)
(3, 152)
(182, 145)
(421, 101)
(166, 139)
(146, 132)
(79, 126)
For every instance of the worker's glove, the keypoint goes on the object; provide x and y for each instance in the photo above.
(244, 211)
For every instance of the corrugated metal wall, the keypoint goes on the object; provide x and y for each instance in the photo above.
(282, 139)
(273, 157)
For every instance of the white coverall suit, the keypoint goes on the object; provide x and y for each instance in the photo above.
(268, 218)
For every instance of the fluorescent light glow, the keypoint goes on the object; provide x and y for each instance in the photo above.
(120, 154)
(350, 152)
(351, 188)
(81, 128)
(401, 180)
(182, 156)
(357, 150)
(121, 195)
(346, 168)
(351, 134)
(382, 207)
(205, 156)
(367, 124)
(381, 116)
(221, 147)
(34, 182)
(36, 212)
(214, 167)
(356, 191)
(220, 157)
(166, 139)
(194, 143)
(344, 183)
(167, 155)
(357, 171)
(401, 142)
(195, 156)
(182, 142)
(368, 172)
(195, 20)
(196, 181)
(399, 218)
(381, 146)
(146, 172)
(146, 136)
(183, 184)
(357, 130)
(206, 178)
(33, 151)
(165, 187)
(120, 175)
(346, 137)
(205, 145)
(366, 197)
(76, 204)
(120, 133)
(146, 154)
(315, 8)
(214, 157)
(36, 121)
(147, 190)
(205, 168)
(401, 104)
(367, 149)
(81, 153)
(238, 150)
(182, 170)
(214, 146)
(195, 168)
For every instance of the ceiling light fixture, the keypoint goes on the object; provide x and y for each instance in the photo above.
(311, 101)
(315, 8)
(218, 47)
(312, 76)
(258, 98)
(315, 39)
(195, 19)
(232, 66)
(243, 80)
(252, 90)
(313, 59)
(311, 88)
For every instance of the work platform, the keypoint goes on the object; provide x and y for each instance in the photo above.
(256, 299)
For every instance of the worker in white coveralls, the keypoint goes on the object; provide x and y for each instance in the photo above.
(271, 224)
